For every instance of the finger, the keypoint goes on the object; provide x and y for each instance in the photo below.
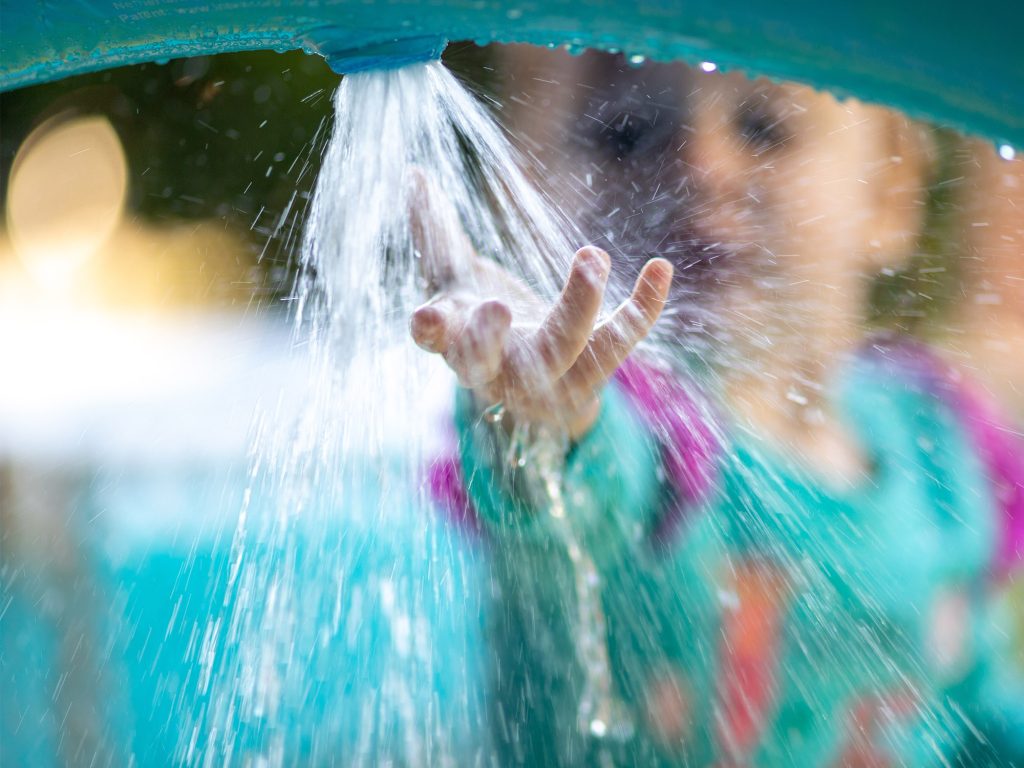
(477, 353)
(435, 325)
(564, 333)
(615, 338)
(444, 251)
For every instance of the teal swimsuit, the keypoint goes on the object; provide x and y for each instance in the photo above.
(675, 510)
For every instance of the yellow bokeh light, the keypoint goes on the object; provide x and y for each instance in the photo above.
(66, 196)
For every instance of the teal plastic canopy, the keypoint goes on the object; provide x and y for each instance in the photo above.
(959, 64)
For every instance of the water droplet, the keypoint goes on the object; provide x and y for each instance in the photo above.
(796, 397)
(598, 728)
(495, 413)
(708, 66)
(636, 59)
(1007, 152)
(728, 599)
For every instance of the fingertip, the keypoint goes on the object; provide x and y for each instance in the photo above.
(593, 253)
(660, 269)
(426, 326)
(657, 275)
(477, 352)
(428, 316)
(417, 176)
(650, 294)
(419, 188)
(661, 263)
(594, 260)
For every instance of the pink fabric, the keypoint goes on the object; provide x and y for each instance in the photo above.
(448, 490)
(1003, 452)
(690, 449)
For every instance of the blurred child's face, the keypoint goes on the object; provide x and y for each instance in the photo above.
(793, 183)
(745, 179)
(606, 138)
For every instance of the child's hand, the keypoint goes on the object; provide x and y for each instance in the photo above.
(542, 365)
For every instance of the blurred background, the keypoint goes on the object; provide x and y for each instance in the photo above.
(152, 216)
(149, 247)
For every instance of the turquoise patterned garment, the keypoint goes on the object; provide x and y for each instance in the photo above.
(848, 589)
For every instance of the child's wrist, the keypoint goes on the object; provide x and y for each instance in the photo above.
(582, 419)
(574, 422)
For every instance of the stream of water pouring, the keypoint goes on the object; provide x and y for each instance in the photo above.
(369, 425)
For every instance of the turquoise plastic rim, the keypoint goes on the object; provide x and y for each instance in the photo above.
(955, 63)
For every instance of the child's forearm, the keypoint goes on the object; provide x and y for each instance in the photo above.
(609, 480)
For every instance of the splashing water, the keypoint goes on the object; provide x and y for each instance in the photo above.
(353, 466)
(346, 593)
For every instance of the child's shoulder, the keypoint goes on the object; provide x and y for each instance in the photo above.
(987, 431)
(923, 416)
(900, 385)
(909, 405)
(899, 373)
(896, 363)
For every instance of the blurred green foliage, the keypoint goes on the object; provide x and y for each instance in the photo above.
(234, 138)
(917, 297)
(231, 137)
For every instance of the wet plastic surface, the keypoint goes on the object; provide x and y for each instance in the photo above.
(947, 62)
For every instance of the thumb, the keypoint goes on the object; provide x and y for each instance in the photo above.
(442, 247)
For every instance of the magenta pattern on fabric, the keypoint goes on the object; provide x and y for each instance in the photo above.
(448, 489)
(690, 449)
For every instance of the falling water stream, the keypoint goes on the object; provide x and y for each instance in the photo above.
(367, 423)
